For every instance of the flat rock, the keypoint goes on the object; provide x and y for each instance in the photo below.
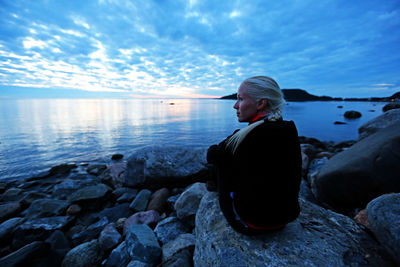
(384, 220)
(90, 197)
(318, 237)
(46, 208)
(386, 119)
(157, 167)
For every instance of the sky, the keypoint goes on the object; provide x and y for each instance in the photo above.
(197, 48)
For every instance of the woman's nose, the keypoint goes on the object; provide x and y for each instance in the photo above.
(236, 106)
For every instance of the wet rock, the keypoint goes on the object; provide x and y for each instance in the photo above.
(169, 229)
(12, 194)
(46, 208)
(90, 197)
(157, 167)
(62, 169)
(109, 237)
(150, 218)
(25, 255)
(187, 204)
(32, 196)
(64, 189)
(7, 229)
(179, 252)
(115, 174)
(352, 114)
(368, 169)
(386, 119)
(158, 200)
(96, 169)
(142, 245)
(141, 200)
(384, 218)
(114, 213)
(88, 254)
(117, 157)
(9, 210)
(391, 106)
(318, 237)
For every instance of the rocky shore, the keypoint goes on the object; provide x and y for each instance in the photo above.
(153, 209)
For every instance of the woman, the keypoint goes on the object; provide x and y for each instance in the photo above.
(258, 168)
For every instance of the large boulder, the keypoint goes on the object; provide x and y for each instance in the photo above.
(319, 237)
(384, 220)
(386, 119)
(366, 170)
(157, 167)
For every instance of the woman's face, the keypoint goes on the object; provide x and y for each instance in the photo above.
(246, 107)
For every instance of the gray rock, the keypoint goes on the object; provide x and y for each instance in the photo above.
(142, 244)
(90, 197)
(7, 228)
(25, 255)
(352, 114)
(179, 252)
(169, 229)
(64, 189)
(157, 167)
(39, 229)
(188, 202)
(386, 119)
(9, 210)
(126, 197)
(391, 106)
(368, 169)
(109, 237)
(384, 219)
(141, 200)
(114, 213)
(88, 254)
(46, 208)
(115, 174)
(318, 237)
(90, 232)
(124, 190)
(118, 257)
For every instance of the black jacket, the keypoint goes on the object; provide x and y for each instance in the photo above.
(264, 175)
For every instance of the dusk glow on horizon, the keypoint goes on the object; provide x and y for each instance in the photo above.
(185, 49)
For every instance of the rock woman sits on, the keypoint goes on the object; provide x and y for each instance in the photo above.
(257, 169)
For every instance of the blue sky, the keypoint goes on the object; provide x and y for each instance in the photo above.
(196, 48)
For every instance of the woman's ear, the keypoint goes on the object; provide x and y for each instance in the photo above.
(262, 104)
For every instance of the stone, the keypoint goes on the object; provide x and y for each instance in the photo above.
(88, 254)
(25, 255)
(141, 200)
(362, 218)
(318, 237)
(169, 229)
(368, 169)
(12, 195)
(59, 247)
(158, 200)
(120, 191)
(117, 157)
(352, 114)
(114, 213)
(384, 218)
(39, 229)
(150, 218)
(386, 119)
(339, 123)
(118, 256)
(115, 174)
(91, 232)
(138, 264)
(9, 210)
(28, 199)
(109, 237)
(7, 229)
(126, 197)
(64, 189)
(46, 208)
(179, 252)
(96, 169)
(391, 106)
(62, 169)
(188, 202)
(74, 209)
(90, 197)
(156, 167)
(142, 244)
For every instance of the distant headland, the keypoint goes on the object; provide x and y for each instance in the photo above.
(302, 95)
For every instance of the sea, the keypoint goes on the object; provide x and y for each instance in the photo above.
(36, 134)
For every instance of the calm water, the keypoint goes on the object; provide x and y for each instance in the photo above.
(38, 134)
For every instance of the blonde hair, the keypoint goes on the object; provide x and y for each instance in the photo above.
(260, 87)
